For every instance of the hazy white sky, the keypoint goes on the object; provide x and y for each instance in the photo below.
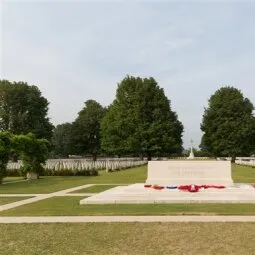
(79, 50)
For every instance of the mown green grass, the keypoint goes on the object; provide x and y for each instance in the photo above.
(12, 179)
(243, 174)
(64, 206)
(48, 184)
(127, 238)
(7, 200)
(95, 189)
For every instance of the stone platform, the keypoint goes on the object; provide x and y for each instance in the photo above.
(138, 194)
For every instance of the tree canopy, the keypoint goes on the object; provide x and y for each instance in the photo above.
(140, 121)
(85, 130)
(23, 109)
(5, 148)
(228, 124)
(61, 140)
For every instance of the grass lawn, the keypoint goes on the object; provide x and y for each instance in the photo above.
(64, 206)
(12, 179)
(127, 238)
(7, 200)
(243, 174)
(95, 189)
(48, 184)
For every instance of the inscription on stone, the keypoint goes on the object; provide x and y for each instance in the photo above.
(189, 172)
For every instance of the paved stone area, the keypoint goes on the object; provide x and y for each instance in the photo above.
(20, 195)
(77, 219)
(138, 194)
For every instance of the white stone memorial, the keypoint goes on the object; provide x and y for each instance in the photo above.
(174, 173)
(189, 172)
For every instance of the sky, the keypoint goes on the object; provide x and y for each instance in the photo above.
(79, 50)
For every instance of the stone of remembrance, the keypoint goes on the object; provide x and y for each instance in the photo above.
(189, 172)
(171, 174)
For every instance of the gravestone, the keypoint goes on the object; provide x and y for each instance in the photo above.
(186, 172)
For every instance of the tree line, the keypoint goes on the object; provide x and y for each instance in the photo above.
(139, 122)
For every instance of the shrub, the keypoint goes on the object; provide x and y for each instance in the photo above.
(70, 172)
(33, 152)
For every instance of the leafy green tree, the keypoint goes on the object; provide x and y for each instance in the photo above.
(33, 152)
(228, 124)
(61, 141)
(140, 121)
(23, 109)
(85, 131)
(5, 148)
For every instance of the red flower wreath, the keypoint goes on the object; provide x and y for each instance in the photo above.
(190, 188)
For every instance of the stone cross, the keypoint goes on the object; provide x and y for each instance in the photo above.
(191, 155)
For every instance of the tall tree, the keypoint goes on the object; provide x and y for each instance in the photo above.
(140, 121)
(85, 131)
(61, 140)
(23, 109)
(228, 124)
(5, 148)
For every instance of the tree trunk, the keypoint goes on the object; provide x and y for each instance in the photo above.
(149, 157)
(233, 159)
(94, 157)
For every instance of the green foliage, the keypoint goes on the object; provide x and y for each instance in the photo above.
(140, 121)
(228, 124)
(61, 140)
(23, 109)
(5, 148)
(85, 131)
(33, 151)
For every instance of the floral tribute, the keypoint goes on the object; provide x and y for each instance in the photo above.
(189, 188)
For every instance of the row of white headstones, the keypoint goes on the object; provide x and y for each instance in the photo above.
(83, 164)
(245, 162)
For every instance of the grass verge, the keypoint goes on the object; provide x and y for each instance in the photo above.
(243, 174)
(69, 206)
(94, 189)
(7, 200)
(127, 238)
(12, 179)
